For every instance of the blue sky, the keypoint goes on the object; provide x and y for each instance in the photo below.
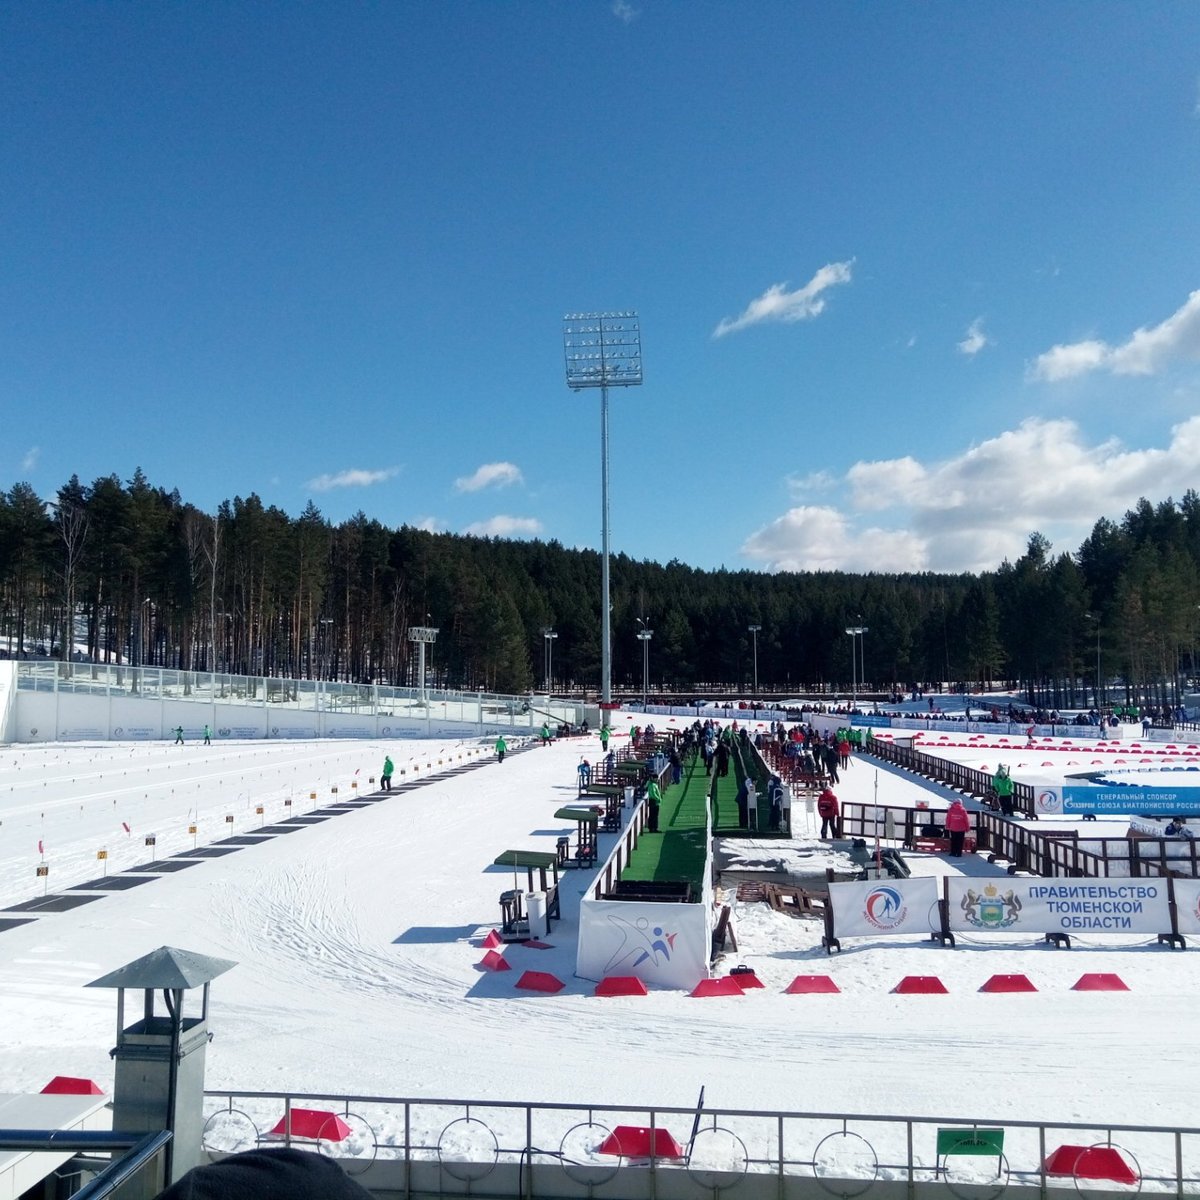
(914, 280)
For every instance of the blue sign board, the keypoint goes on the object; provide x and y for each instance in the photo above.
(1165, 801)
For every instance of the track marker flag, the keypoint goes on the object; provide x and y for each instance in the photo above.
(125, 826)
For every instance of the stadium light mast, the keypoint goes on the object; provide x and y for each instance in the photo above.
(754, 632)
(423, 635)
(855, 632)
(603, 350)
(644, 636)
(549, 635)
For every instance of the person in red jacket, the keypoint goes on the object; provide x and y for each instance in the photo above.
(958, 822)
(827, 810)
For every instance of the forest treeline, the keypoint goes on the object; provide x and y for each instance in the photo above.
(144, 577)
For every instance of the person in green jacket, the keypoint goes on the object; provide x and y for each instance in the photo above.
(501, 747)
(1002, 785)
(603, 738)
(385, 776)
(653, 800)
(545, 733)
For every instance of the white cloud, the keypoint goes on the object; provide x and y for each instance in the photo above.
(814, 481)
(30, 460)
(351, 477)
(499, 474)
(970, 512)
(778, 304)
(502, 526)
(430, 524)
(624, 11)
(823, 539)
(975, 339)
(1145, 352)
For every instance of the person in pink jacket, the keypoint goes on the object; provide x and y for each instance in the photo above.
(958, 822)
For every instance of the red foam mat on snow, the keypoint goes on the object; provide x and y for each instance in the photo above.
(621, 985)
(919, 985)
(1008, 983)
(540, 981)
(717, 987)
(811, 985)
(1100, 982)
(1090, 1162)
(635, 1141)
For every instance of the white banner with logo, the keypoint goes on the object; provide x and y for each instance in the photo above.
(663, 944)
(1187, 905)
(1059, 905)
(894, 906)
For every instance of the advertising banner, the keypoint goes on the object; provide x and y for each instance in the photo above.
(1187, 905)
(897, 906)
(1092, 798)
(1059, 905)
(664, 944)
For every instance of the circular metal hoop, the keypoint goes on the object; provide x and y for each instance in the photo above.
(463, 1146)
(578, 1155)
(855, 1146)
(212, 1136)
(350, 1150)
(972, 1186)
(717, 1158)
(1108, 1185)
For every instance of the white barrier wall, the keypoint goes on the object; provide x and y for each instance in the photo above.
(8, 688)
(73, 716)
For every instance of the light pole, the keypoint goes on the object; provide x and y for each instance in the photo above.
(603, 350)
(855, 632)
(754, 630)
(549, 635)
(1099, 699)
(644, 636)
(424, 636)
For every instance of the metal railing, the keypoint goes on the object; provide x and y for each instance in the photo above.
(137, 1152)
(517, 1149)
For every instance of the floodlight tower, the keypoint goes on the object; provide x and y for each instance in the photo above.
(855, 633)
(424, 636)
(754, 632)
(603, 350)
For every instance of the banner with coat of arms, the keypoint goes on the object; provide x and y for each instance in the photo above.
(1061, 905)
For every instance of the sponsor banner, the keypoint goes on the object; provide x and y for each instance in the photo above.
(1083, 798)
(1059, 905)
(1187, 905)
(135, 733)
(879, 722)
(663, 944)
(897, 906)
(83, 733)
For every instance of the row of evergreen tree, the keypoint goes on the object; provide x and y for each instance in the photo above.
(139, 575)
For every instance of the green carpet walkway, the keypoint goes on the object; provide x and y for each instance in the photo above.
(678, 851)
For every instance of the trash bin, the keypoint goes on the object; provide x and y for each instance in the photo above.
(535, 906)
(628, 795)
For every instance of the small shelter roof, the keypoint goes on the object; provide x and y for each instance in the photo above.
(525, 858)
(577, 814)
(166, 968)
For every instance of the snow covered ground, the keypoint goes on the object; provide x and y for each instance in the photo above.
(357, 943)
